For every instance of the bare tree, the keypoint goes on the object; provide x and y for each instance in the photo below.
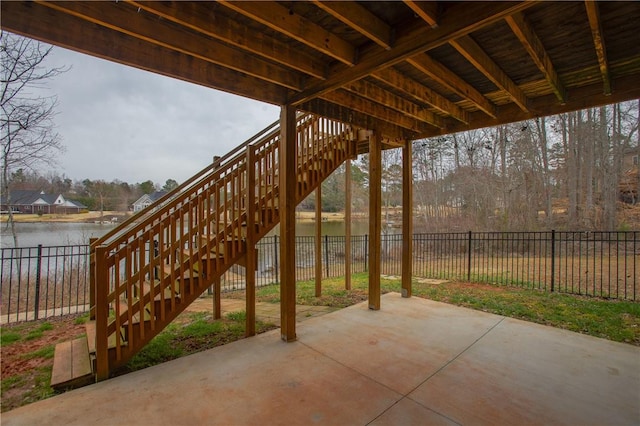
(26, 124)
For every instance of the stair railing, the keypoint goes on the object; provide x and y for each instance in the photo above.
(149, 270)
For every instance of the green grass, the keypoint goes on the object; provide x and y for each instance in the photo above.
(8, 337)
(38, 332)
(615, 320)
(198, 333)
(45, 352)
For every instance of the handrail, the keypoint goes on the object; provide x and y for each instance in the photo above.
(264, 133)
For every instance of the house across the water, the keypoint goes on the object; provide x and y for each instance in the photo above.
(39, 202)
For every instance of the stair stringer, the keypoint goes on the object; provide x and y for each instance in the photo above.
(336, 148)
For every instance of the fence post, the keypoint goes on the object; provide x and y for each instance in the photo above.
(92, 278)
(366, 252)
(553, 259)
(326, 253)
(275, 255)
(469, 259)
(38, 267)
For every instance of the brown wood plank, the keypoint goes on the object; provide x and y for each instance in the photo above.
(318, 241)
(281, 19)
(198, 17)
(593, 13)
(360, 19)
(532, 44)
(375, 219)
(251, 256)
(71, 364)
(287, 188)
(347, 224)
(407, 219)
(426, 10)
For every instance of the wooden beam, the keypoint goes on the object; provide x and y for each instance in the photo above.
(532, 44)
(198, 16)
(374, 109)
(251, 256)
(283, 20)
(124, 18)
(287, 177)
(360, 19)
(593, 13)
(407, 219)
(54, 27)
(378, 94)
(375, 219)
(438, 72)
(426, 10)
(479, 58)
(318, 240)
(347, 115)
(578, 98)
(459, 20)
(420, 93)
(347, 224)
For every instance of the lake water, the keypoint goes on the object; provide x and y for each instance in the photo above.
(54, 234)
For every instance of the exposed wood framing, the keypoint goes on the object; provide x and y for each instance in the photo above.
(457, 22)
(407, 219)
(360, 19)
(287, 195)
(598, 40)
(426, 10)
(479, 58)
(375, 218)
(447, 78)
(281, 19)
(251, 255)
(529, 39)
(420, 93)
(347, 224)
(197, 16)
(318, 241)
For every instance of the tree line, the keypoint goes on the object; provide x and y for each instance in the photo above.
(577, 170)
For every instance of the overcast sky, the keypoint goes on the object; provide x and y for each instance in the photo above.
(118, 122)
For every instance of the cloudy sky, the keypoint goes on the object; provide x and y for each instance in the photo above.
(118, 122)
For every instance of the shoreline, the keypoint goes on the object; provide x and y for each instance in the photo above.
(118, 217)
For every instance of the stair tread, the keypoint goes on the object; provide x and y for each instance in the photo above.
(71, 364)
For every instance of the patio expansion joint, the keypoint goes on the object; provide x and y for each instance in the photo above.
(445, 366)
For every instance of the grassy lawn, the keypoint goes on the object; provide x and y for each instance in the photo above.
(27, 348)
(610, 319)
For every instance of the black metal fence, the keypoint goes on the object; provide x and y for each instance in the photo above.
(40, 282)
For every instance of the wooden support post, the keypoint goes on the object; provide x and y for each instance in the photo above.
(92, 278)
(407, 219)
(347, 225)
(217, 306)
(287, 206)
(250, 265)
(375, 218)
(102, 314)
(318, 239)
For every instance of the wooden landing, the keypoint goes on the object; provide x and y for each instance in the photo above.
(71, 365)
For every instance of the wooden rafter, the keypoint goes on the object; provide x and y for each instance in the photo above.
(420, 93)
(196, 16)
(426, 10)
(532, 44)
(593, 13)
(281, 19)
(483, 62)
(447, 78)
(360, 19)
(459, 20)
(122, 18)
(384, 97)
(68, 31)
(376, 110)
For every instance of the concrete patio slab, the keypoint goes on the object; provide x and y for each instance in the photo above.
(413, 362)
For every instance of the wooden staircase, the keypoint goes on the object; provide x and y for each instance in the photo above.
(149, 269)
